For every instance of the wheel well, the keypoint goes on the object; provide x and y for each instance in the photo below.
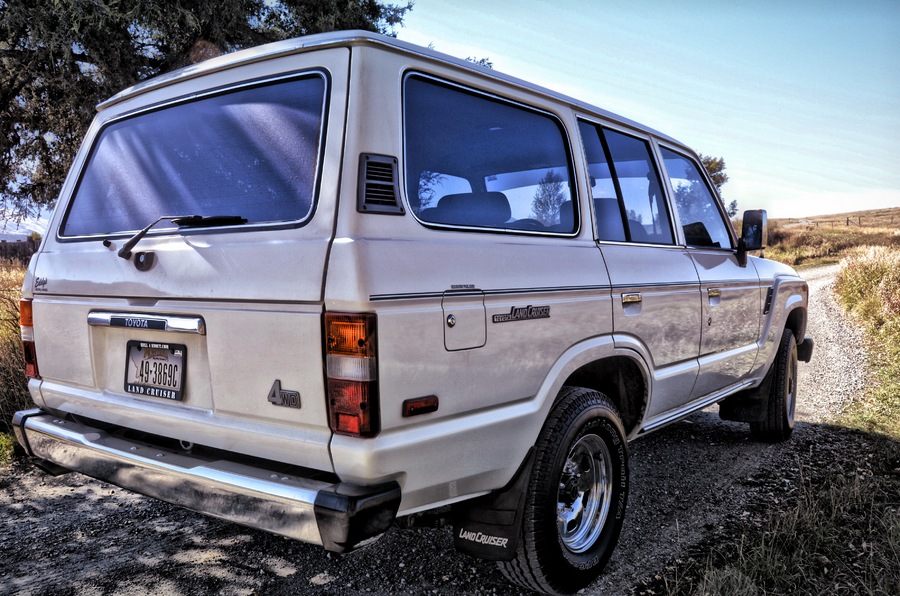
(796, 322)
(621, 380)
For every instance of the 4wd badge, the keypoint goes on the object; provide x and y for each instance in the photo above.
(283, 397)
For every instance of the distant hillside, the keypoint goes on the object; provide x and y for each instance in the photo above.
(875, 218)
(822, 239)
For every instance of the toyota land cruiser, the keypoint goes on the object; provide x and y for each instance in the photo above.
(321, 284)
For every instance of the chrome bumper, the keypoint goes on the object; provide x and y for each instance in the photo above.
(337, 516)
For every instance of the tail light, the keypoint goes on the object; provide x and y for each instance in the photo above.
(26, 324)
(352, 374)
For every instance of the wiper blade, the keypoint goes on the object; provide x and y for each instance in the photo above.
(208, 221)
(191, 221)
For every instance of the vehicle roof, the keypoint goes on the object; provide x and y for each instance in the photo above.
(348, 39)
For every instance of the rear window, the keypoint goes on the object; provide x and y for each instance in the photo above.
(474, 160)
(252, 152)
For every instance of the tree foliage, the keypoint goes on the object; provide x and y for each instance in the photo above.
(715, 167)
(59, 58)
(547, 199)
(486, 62)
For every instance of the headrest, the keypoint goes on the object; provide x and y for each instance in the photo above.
(475, 209)
(609, 219)
(566, 216)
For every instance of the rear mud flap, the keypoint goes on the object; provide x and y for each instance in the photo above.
(488, 527)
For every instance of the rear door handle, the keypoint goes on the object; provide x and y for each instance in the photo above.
(714, 292)
(632, 298)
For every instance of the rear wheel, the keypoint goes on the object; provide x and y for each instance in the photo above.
(778, 423)
(577, 494)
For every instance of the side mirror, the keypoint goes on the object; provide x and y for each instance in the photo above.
(754, 234)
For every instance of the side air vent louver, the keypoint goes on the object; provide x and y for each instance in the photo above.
(377, 191)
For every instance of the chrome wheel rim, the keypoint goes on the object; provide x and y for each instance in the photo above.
(791, 398)
(585, 493)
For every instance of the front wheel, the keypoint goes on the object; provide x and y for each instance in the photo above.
(778, 423)
(577, 495)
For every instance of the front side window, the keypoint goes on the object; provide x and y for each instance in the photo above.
(698, 210)
(477, 161)
(251, 153)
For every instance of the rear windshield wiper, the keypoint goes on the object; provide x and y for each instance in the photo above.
(185, 221)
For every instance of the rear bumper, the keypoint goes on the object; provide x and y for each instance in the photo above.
(336, 515)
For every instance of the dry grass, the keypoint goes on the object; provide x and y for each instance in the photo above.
(868, 286)
(826, 239)
(13, 387)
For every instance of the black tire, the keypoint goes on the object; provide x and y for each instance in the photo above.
(576, 497)
(778, 423)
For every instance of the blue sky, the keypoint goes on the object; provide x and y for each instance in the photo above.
(801, 98)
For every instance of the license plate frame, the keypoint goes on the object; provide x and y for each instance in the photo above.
(155, 369)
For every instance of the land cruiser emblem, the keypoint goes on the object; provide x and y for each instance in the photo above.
(480, 538)
(283, 397)
(523, 313)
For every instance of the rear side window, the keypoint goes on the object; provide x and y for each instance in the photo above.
(475, 160)
(252, 152)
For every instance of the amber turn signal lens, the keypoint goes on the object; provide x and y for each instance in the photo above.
(350, 335)
(26, 319)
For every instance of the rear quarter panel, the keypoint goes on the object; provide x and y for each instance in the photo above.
(493, 397)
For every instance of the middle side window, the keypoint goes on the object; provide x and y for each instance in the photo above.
(628, 197)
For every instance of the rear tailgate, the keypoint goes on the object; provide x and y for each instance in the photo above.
(218, 342)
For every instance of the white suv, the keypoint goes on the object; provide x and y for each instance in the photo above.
(317, 285)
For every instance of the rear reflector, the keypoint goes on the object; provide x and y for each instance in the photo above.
(420, 405)
(350, 406)
(352, 374)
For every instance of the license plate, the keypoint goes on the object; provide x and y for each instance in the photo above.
(155, 369)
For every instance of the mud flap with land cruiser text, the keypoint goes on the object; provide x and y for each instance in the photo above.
(488, 527)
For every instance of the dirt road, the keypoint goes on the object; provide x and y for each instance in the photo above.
(74, 535)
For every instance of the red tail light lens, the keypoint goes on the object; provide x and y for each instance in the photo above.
(26, 324)
(352, 374)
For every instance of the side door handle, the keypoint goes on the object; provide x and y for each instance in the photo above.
(632, 298)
